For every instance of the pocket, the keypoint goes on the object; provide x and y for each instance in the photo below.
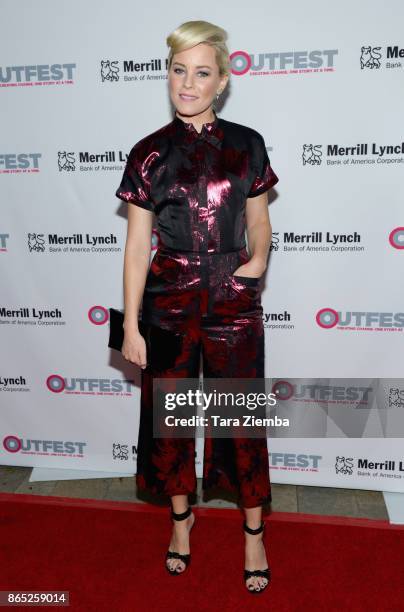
(245, 287)
(251, 281)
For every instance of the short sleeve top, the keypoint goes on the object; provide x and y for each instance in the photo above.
(197, 183)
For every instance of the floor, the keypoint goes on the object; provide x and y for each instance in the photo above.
(285, 498)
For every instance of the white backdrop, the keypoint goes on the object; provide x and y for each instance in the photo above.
(323, 83)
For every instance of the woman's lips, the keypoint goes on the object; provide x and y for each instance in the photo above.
(187, 98)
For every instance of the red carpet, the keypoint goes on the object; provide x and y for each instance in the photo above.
(110, 556)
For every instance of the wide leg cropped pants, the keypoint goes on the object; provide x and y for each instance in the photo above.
(218, 315)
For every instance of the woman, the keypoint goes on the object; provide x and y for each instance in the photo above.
(206, 179)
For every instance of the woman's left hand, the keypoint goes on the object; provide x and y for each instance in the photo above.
(252, 268)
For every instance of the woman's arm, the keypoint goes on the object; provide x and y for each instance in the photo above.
(136, 265)
(259, 234)
(136, 262)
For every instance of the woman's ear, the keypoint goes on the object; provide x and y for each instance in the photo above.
(223, 82)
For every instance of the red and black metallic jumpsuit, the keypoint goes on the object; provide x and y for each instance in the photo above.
(197, 185)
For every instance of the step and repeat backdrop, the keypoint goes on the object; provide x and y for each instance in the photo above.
(80, 84)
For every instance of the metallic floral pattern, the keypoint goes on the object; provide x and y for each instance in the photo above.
(197, 185)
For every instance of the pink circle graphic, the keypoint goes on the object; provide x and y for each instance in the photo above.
(246, 60)
(98, 315)
(56, 378)
(396, 238)
(15, 445)
(325, 324)
(276, 388)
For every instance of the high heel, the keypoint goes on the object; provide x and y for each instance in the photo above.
(185, 558)
(266, 573)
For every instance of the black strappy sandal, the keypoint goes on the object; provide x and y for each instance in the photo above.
(185, 558)
(266, 573)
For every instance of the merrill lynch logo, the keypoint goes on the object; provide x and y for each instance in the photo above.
(120, 451)
(311, 154)
(396, 398)
(370, 57)
(36, 242)
(344, 465)
(66, 161)
(109, 71)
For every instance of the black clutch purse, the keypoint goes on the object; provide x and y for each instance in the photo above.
(162, 345)
(116, 331)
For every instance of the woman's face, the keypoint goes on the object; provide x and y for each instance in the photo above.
(194, 79)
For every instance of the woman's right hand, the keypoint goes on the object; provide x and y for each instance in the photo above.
(134, 348)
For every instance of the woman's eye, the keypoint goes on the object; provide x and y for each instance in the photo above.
(201, 73)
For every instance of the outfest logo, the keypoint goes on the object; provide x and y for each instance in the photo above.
(3, 242)
(19, 163)
(295, 462)
(89, 386)
(317, 392)
(329, 318)
(37, 75)
(282, 62)
(16, 444)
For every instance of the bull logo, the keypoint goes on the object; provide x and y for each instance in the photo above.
(274, 241)
(311, 154)
(370, 58)
(66, 161)
(344, 465)
(109, 71)
(396, 398)
(36, 242)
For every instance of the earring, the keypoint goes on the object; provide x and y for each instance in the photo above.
(218, 94)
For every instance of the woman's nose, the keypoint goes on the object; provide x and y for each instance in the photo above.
(188, 80)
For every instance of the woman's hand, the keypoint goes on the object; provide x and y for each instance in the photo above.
(253, 268)
(134, 348)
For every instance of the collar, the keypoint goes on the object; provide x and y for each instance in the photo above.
(186, 133)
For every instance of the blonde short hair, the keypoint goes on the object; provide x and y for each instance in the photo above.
(193, 33)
